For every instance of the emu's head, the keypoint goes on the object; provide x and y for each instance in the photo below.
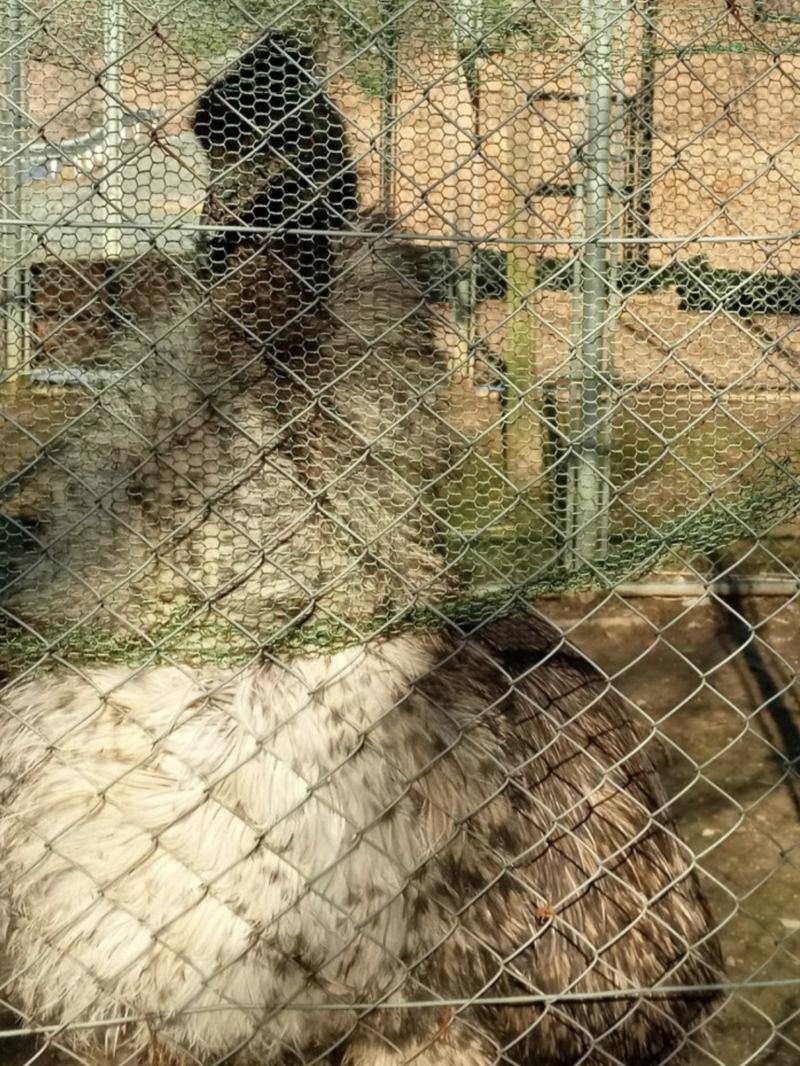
(248, 106)
(280, 176)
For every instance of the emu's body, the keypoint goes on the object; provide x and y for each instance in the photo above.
(206, 851)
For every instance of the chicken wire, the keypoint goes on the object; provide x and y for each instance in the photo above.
(336, 335)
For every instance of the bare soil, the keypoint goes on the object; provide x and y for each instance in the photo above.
(720, 701)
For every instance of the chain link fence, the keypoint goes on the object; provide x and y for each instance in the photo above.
(342, 343)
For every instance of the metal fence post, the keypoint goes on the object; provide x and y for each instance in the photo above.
(389, 46)
(641, 120)
(14, 268)
(467, 29)
(113, 110)
(589, 355)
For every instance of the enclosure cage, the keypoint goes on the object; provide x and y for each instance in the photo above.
(601, 201)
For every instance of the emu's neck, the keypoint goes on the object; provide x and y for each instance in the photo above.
(231, 485)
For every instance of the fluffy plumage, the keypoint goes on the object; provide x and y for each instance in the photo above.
(206, 851)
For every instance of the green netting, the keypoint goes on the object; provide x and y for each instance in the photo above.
(200, 634)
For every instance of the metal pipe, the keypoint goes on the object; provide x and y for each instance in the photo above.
(643, 109)
(755, 586)
(110, 187)
(617, 180)
(14, 239)
(389, 48)
(467, 29)
(566, 521)
(442, 239)
(587, 478)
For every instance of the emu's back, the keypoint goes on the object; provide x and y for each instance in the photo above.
(220, 856)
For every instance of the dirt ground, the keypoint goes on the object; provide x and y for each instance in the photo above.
(724, 705)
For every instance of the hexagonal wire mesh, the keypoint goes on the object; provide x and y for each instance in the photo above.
(335, 335)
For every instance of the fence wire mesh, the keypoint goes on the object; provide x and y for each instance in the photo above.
(343, 342)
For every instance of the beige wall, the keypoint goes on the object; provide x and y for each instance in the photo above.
(726, 150)
(726, 163)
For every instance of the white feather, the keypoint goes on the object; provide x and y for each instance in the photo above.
(172, 839)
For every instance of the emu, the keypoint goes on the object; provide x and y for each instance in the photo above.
(230, 862)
